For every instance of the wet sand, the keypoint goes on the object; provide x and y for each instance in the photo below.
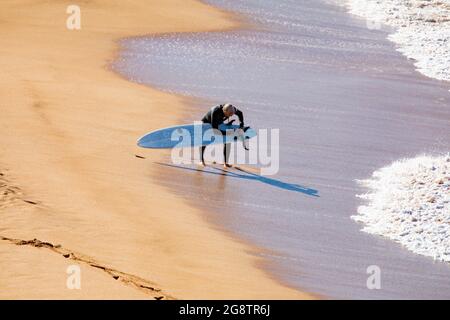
(346, 104)
(70, 177)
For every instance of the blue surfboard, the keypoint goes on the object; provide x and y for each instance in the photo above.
(194, 135)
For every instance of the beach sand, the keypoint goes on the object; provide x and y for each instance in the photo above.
(69, 175)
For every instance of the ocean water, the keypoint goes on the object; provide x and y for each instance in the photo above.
(423, 34)
(345, 102)
(409, 202)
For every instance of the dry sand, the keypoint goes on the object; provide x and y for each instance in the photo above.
(69, 174)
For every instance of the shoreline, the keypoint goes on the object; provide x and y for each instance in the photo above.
(73, 154)
(368, 108)
(407, 202)
(264, 263)
(420, 31)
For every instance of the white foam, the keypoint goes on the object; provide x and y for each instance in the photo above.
(423, 30)
(409, 202)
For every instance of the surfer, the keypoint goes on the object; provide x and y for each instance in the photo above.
(216, 116)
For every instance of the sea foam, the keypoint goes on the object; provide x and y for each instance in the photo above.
(423, 30)
(409, 202)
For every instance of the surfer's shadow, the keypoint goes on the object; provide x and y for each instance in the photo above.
(273, 182)
(253, 176)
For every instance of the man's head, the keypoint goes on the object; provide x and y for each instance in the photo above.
(228, 110)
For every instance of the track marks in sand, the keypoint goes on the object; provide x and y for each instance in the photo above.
(139, 283)
(11, 194)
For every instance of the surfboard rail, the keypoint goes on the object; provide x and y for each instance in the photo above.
(194, 135)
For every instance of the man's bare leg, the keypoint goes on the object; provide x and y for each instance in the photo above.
(202, 159)
(226, 155)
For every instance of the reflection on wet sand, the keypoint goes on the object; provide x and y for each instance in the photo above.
(250, 176)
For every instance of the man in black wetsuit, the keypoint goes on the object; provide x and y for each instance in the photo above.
(216, 116)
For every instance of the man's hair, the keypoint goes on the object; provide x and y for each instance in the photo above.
(229, 107)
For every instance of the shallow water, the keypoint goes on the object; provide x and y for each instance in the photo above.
(346, 104)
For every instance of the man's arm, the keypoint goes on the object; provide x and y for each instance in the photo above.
(216, 117)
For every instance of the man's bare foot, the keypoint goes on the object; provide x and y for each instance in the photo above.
(226, 165)
(202, 163)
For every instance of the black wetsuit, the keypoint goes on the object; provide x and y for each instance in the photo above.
(216, 117)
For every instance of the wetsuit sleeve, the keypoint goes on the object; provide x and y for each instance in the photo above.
(216, 117)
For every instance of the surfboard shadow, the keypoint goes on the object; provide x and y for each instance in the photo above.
(251, 176)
